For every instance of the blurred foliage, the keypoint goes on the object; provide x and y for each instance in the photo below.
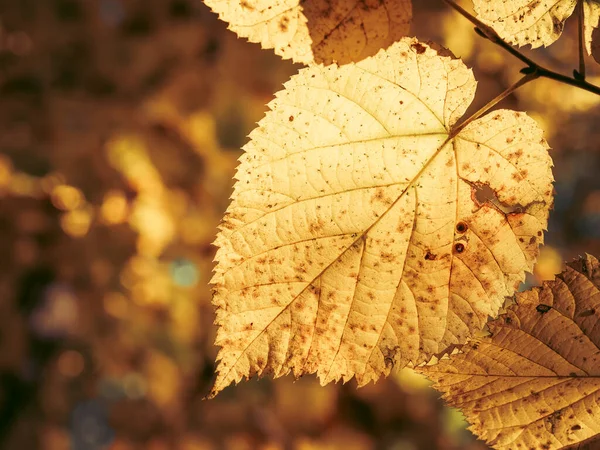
(120, 128)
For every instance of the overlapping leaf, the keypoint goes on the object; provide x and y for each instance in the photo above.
(591, 16)
(535, 383)
(321, 31)
(538, 22)
(357, 238)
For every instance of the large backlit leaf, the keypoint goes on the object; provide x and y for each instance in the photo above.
(535, 383)
(360, 235)
(321, 31)
(537, 22)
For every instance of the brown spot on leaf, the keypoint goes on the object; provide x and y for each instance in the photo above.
(542, 309)
(387, 257)
(461, 227)
(587, 313)
(430, 256)
(557, 25)
(244, 4)
(389, 356)
(418, 48)
(283, 23)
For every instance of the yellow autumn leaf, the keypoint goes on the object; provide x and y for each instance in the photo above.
(358, 237)
(595, 42)
(538, 22)
(591, 17)
(321, 31)
(535, 383)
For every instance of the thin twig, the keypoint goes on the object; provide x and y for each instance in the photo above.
(532, 67)
(523, 81)
(581, 71)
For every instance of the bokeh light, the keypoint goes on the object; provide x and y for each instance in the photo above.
(122, 123)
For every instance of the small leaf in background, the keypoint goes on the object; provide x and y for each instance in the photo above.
(535, 382)
(362, 234)
(318, 30)
(595, 44)
(591, 17)
(538, 23)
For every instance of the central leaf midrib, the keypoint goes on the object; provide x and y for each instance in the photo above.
(344, 144)
(359, 237)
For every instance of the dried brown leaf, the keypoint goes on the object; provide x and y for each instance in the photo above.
(535, 383)
(321, 31)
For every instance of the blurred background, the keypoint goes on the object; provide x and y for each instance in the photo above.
(120, 125)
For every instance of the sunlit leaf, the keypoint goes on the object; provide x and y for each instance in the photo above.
(535, 383)
(362, 233)
(321, 31)
(539, 22)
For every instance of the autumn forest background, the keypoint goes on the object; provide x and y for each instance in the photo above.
(121, 122)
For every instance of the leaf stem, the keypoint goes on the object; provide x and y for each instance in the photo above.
(581, 72)
(532, 67)
(529, 76)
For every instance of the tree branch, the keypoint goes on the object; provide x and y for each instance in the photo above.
(532, 67)
(581, 72)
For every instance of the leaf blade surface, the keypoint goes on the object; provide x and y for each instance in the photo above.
(539, 22)
(315, 30)
(535, 383)
(355, 240)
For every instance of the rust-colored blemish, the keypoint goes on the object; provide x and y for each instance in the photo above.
(430, 256)
(418, 48)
